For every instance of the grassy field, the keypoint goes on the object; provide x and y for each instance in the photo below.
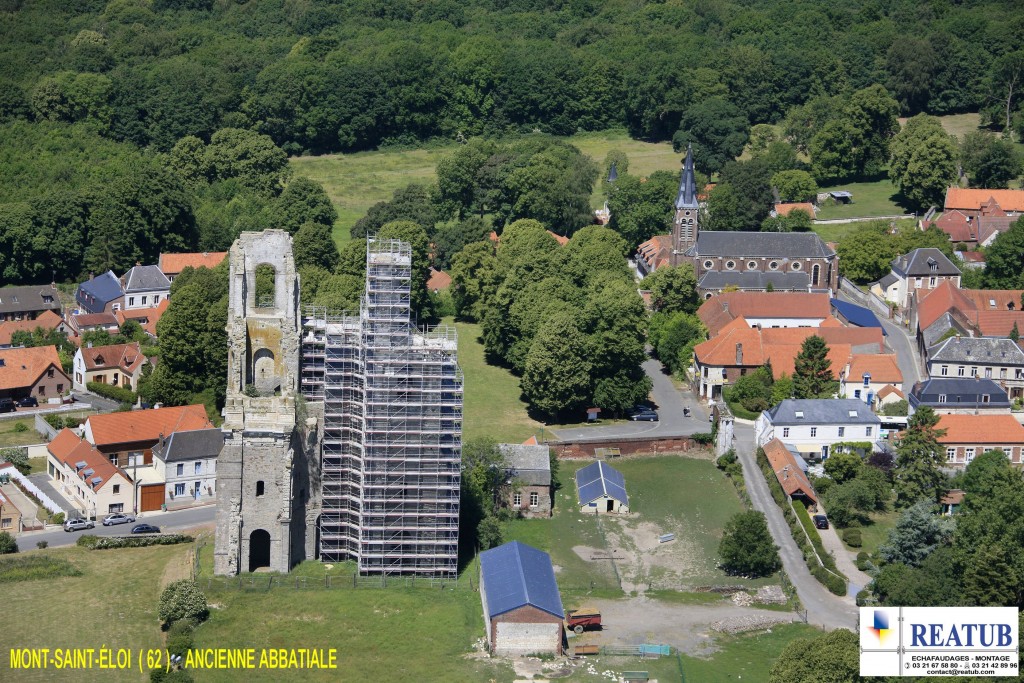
(876, 198)
(11, 436)
(836, 231)
(745, 657)
(355, 182)
(491, 404)
(876, 533)
(663, 492)
(113, 604)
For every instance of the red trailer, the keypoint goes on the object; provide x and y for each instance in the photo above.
(583, 618)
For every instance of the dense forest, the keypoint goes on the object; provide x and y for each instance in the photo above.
(131, 127)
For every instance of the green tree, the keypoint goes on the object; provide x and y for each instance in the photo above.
(843, 466)
(8, 546)
(917, 533)
(250, 157)
(1004, 259)
(673, 289)
(556, 379)
(474, 279)
(918, 459)
(832, 151)
(673, 336)
(314, 245)
(761, 136)
(991, 580)
(753, 391)
(618, 159)
(17, 457)
(594, 251)
(718, 131)
(725, 210)
(795, 186)
(451, 237)
(182, 600)
(1003, 84)
(912, 65)
(832, 657)
(303, 201)
(747, 548)
(641, 209)
(410, 203)
(923, 161)
(812, 377)
(989, 161)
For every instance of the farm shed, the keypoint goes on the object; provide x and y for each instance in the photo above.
(601, 488)
(522, 607)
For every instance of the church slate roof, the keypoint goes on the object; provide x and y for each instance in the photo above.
(757, 280)
(687, 197)
(741, 245)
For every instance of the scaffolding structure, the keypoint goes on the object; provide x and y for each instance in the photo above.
(392, 445)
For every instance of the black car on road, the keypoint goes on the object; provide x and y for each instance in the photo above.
(642, 414)
(145, 529)
(820, 521)
(28, 402)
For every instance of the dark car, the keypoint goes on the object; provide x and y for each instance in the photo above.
(820, 521)
(117, 518)
(78, 524)
(6, 405)
(642, 414)
(145, 529)
(28, 402)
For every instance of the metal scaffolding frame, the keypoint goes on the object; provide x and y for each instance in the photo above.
(392, 445)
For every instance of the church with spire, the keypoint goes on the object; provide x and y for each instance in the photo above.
(745, 261)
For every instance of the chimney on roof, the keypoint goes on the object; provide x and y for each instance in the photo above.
(88, 345)
(739, 354)
(725, 306)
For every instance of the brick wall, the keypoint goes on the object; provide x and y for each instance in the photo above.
(568, 450)
(526, 630)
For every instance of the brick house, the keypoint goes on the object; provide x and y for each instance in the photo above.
(528, 476)
(982, 202)
(968, 436)
(28, 302)
(34, 371)
(522, 607)
(765, 310)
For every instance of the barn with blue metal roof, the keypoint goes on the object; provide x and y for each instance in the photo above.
(522, 606)
(601, 488)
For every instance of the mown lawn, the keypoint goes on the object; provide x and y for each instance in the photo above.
(20, 432)
(837, 231)
(113, 604)
(875, 198)
(745, 657)
(876, 533)
(355, 182)
(491, 403)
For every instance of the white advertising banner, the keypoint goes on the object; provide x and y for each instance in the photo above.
(938, 641)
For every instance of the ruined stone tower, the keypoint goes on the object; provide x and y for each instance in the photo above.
(267, 483)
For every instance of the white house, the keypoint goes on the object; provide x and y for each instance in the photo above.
(118, 365)
(145, 287)
(813, 426)
(915, 274)
(866, 375)
(187, 463)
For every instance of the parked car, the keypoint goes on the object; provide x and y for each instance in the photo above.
(642, 414)
(145, 529)
(820, 521)
(117, 518)
(6, 405)
(78, 524)
(28, 402)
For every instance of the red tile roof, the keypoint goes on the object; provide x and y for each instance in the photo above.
(71, 449)
(532, 441)
(146, 425)
(889, 389)
(882, 367)
(656, 252)
(83, 320)
(124, 357)
(953, 497)
(48, 320)
(980, 429)
(972, 200)
(939, 300)
(957, 225)
(20, 368)
(173, 264)
(987, 311)
(438, 280)
(785, 209)
(146, 317)
(787, 471)
(719, 310)
(972, 256)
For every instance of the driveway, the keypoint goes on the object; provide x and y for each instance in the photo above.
(42, 480)
(822, 607)
(844, 561)
(669, 402)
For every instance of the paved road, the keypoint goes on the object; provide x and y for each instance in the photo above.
(167, 521)
(901, 343)
(844, 560)
(669, 403)
(823, 608)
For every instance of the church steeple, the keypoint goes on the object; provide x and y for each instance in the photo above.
(684, 226)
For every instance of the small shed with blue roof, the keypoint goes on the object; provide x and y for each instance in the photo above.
(522, 606)
(601, 488)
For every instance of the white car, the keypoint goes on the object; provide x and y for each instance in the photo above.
(78, 524)
(117, 518)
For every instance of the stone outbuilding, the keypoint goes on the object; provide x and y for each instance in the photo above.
(522, 606)
(600, 489)
(528, 478)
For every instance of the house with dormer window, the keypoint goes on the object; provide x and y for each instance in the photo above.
(814, 426)
(914, 275)
(86, 478)
(1000, 360)
(119, 365)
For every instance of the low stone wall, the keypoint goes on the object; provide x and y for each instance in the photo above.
(569, 450)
